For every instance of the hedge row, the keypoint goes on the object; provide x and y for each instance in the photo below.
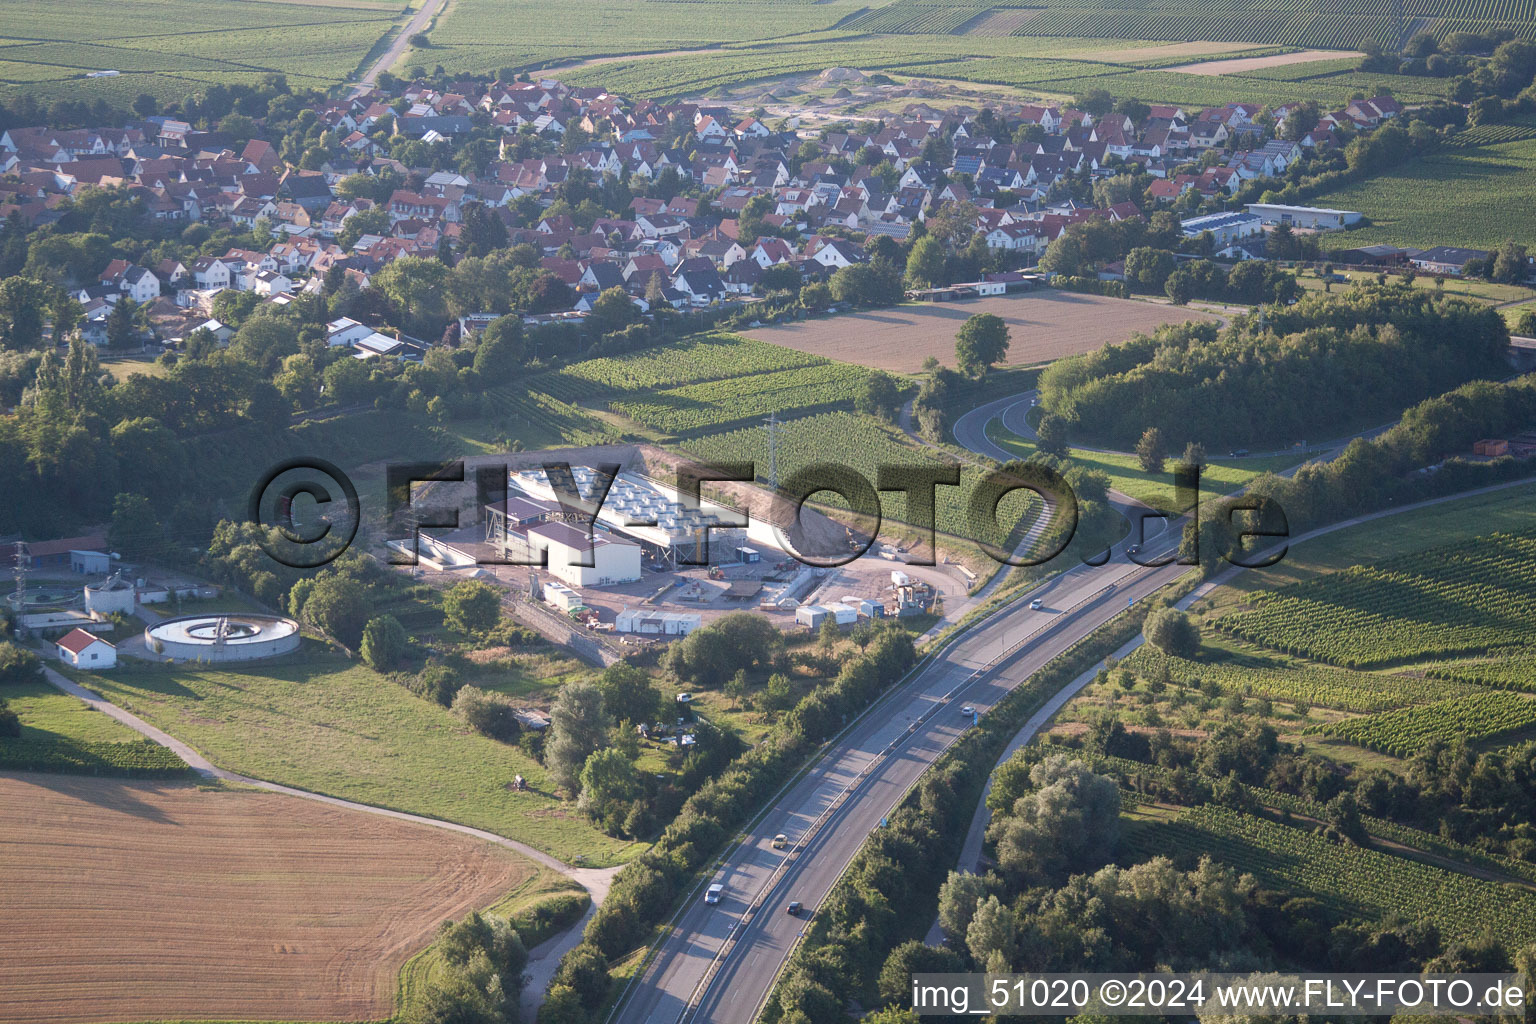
(900, 869)
(645, 891)
(140, 759)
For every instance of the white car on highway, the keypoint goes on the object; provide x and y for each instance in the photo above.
(713, 893)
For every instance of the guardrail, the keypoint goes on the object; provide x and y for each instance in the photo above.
(941, 703)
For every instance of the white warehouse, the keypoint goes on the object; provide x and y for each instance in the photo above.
(610, 560)
(1314, 217)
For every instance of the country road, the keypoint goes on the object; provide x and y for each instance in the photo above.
(418, 23)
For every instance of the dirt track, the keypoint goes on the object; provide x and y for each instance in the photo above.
(1045, 325)
(127, 900)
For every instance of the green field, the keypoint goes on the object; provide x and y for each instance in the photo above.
(1461, 196)
(1259, 673)
(1511, 509)
(321, 723)
(172, 48)
(1347, 878)
(1406, 731)
(1125, 474)
(60, 733)
(1476, 597)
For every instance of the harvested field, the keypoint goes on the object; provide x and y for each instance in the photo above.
(145, 901)
(1045, 326)
(1237, 65)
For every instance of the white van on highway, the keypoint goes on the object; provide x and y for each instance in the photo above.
(712, 894)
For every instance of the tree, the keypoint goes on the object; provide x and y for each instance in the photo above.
(958, 898)
(1194, 455)
(135, 530)
(1069, 822)
(1180, 287)
(613, 309)
(1149, 268)
(736, 688)
(384, 643)
(879, 396)
(578, 725)
(18, 665)
(416, 285)
(925, 263)
(981, 343)
(373, 221)
(1151, 450)
(121, 329)
(628, 694)
(1300, 120)
(1051, 435)
(10, 722)
(993, 932)
(607, 778)
(337, 607)
(1509, 264)
(265, 340)
(1173, 632)
(472, 606)
(22, 306)
(816, 296)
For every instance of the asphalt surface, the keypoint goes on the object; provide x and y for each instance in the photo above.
(718, 962)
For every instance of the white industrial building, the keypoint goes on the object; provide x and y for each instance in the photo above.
(1314, 217)
(1225, 228)
(643, 512)
(650, 621)
(582, 561)
(111, 596)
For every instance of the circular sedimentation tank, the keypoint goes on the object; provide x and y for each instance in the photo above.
(40, 596)
(223, 638)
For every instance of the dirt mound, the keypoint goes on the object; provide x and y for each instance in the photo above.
(831, 76)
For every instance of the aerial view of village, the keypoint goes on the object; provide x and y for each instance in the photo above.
(767, 511)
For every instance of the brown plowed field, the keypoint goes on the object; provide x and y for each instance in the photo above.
(1044, 325)
(146, 901)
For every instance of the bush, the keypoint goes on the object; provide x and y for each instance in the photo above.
(18, 665)
(10, 722)
(1173, 632)
(489, 714)
(384, 643)
(472, 607)
(437, 681)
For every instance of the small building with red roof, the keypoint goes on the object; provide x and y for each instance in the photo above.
(88, 651)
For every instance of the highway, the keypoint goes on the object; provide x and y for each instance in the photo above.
(719, 962)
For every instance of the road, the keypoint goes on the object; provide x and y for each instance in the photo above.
(418, 23)
(718, 963)
(723, 959)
